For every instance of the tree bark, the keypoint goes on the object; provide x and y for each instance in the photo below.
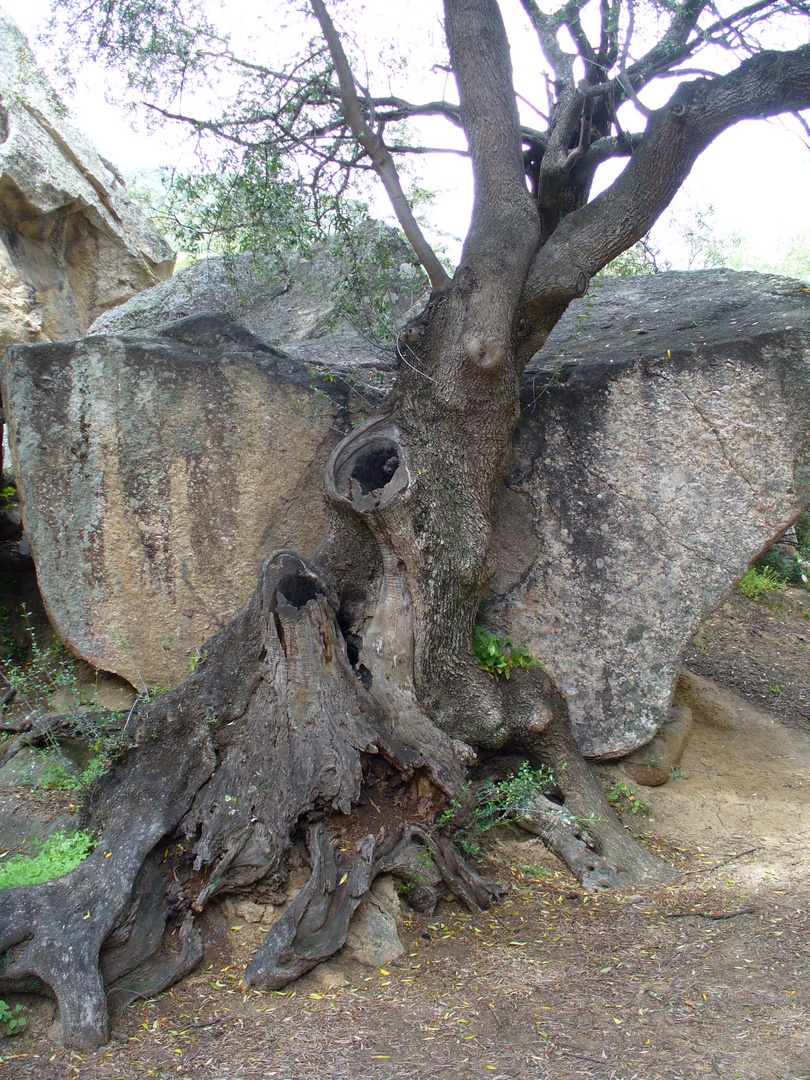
(356, 674)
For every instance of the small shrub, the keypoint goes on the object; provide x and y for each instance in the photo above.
(48, 668)
(11, 1019)
(536, 872)
(623, 797)
(57, 856)
(758, 583)
(497, 657)
(57, 778)
(784, 564)
(497, 802)
(504, 800)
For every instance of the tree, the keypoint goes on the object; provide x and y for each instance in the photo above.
(360, 666)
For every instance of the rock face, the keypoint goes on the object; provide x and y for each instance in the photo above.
(665, 441)
(72, 244)
(156, 471)
(300, 308)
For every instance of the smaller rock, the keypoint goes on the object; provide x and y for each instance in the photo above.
(651, 764)
(249, 911)
(25, 824)
(31, 768)
(385, 893)
(328, 977)
(271, 914)
(64, 699)
(111, 692)
(373, 939)
(228, 909)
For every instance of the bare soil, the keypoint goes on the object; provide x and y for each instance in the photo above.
(707, 977)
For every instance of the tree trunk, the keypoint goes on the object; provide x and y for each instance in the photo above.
(279, 727)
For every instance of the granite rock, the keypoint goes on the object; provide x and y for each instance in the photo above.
(72, 242)
(664, 443)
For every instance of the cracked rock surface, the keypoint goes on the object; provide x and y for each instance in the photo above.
(665, 442)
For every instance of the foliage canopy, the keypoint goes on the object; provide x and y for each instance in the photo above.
(281, 163)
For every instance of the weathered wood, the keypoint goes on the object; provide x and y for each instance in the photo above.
(315, 924)
(582, 828)
(274, 724)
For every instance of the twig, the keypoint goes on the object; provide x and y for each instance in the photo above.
(404, 360)
(378, 153)
(576, 1051)
(723, 862)
(715, 915)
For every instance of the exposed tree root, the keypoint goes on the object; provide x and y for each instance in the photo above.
(315, 924)
(51, 935)
(275, 725)
(582, 829)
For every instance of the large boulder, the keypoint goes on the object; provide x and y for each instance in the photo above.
(665, 441)
(72, 243)
(307, 306)
(156, 470)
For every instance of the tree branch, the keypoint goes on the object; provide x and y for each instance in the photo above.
(677, 44)
(479, 53)
(546, 27)
(381, 159)
(764, 85)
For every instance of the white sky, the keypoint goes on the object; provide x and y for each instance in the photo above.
(756, 175)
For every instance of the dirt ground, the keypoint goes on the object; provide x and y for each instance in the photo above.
(706, 977)
(762, 650)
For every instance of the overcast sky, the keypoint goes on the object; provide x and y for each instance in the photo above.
(756, 175)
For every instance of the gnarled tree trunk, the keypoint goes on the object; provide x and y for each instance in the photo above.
(340, 676)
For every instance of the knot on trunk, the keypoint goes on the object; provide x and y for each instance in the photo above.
(368, 468)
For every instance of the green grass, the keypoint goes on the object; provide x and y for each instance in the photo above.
(58, 855)
(758, 583)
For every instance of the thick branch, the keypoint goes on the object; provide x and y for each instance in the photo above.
(479, 52)
(546, 27)
(764, 85)
(381, 159)
(399, 109)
